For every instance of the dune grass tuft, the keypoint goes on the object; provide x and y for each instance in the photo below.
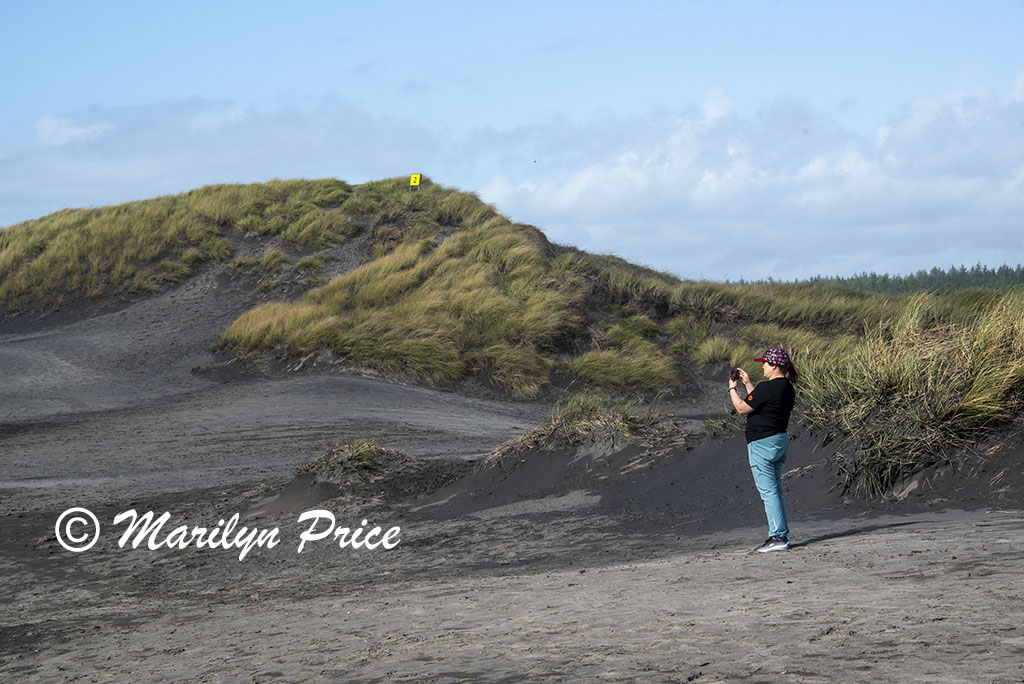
(917, 387)
(644, 368)
(597, 417)
(336, 462)
(723, 349)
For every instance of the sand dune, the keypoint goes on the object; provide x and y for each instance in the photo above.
(590, 564)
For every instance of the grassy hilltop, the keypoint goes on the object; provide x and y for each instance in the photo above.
(446, 289)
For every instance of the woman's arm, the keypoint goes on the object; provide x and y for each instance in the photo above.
(745, 379)
(741, 406)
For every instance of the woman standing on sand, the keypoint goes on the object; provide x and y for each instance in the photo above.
(767, 408)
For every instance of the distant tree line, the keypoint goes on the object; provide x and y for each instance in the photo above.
(937, 279)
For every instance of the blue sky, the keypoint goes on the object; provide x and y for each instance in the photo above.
(708, 139)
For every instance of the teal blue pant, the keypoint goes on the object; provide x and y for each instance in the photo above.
(766, 457)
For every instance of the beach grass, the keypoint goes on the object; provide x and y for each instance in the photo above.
(452, 289)
(141, 247)
(917, 388)
(362, 454)
(596, 417)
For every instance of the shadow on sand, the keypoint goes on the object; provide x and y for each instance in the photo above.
(851, 532)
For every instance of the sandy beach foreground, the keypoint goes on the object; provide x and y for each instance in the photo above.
(587, 565)
(921, 598)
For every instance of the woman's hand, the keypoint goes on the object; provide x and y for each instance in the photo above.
(742, 407)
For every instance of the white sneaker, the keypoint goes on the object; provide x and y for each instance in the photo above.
(773, 544)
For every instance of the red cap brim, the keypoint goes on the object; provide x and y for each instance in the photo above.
(758, 360)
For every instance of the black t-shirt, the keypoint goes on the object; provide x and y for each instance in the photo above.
(772, 401)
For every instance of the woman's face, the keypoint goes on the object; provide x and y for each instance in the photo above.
(766, 368)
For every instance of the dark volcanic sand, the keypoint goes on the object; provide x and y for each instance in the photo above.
(593, 564)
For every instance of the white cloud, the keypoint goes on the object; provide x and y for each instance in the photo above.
(692, 191)
(942, 181)
(215, 119)
(1017, 92)
(55, 131)
(716, 105)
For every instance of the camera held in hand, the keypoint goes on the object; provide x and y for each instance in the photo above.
(735, 375)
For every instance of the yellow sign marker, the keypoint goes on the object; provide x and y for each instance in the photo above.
(414, 180)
